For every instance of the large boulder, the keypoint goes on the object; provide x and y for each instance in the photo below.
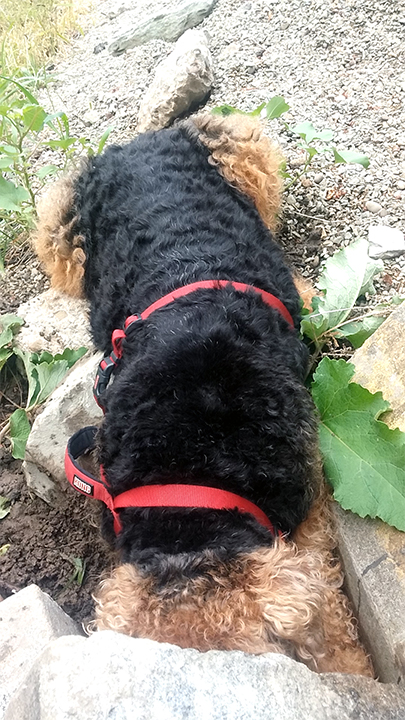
(181, 81)
(115, 676)
(166, 23)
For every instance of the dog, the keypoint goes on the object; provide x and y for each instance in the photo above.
(208, 392)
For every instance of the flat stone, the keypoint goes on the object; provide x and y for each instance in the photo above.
(54, 321)
(183, 79)
(42, 485)
(385, 241)
(166, 23)
(373, 553)
(29, 620)
(114, 676)
(380, 365)
(373, 556)
(70, 407)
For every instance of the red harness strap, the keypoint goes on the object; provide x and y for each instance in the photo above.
(174, 496)
(109, 362)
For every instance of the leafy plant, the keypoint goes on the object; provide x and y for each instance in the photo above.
(43, 373)
(308, 134)
(347, 275)
(25, 128)
(364, 459)
(77, 576)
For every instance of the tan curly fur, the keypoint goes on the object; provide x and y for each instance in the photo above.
(57, 244)
(283, 599)
(246, 158)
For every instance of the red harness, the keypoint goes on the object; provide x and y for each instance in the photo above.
(182, 496)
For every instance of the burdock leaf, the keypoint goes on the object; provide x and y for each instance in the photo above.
(364, 459)
(350, 156)
(359, 330)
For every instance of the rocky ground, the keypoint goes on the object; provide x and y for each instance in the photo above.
(338, 63)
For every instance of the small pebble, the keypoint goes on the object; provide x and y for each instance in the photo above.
(318, 178)
(373, 206)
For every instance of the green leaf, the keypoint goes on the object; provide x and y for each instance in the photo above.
(312, 151)
(256, 112)
(342, 280)
(276, 107)
(71, 356)
(226, 110)
(46, 171)
(49, 377)
(350, 156)
(4, 507)
(19, 431)
(103, 140)
(4, 548)
(28, 360)
(9, 324)
(11, 196)
(33, 117)
(21, 87)
(6, 163)
(364, 459)
(308, 132)
(62, 144)
(359, 330)
(5, 353)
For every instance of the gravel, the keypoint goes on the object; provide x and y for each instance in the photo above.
(337, 63)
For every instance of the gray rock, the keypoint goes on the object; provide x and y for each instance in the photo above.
(385, 241)
(53, 322)
(70, 407)
(114, 676)
(373, 207)
(167, 24)
(29, 620)
(182, 79)
(42, 485)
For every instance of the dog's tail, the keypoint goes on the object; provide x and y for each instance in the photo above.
(246, 158)
(57, 241)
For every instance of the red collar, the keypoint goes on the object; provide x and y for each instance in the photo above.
(181, 496)
(109, 362)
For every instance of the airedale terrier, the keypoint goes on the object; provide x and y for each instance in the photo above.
(208, 410)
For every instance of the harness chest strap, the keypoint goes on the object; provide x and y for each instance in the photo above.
(110, 362)
(174, 496)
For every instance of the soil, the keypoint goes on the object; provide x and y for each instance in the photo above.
(44, 542)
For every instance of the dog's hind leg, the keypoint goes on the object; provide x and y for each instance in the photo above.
(57, 241)
(246, 158)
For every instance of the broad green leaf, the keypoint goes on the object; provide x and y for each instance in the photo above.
(33, 117)
(103, 140)
(359, 330)
(276, 107)
(11, 196)
(49, 376)
(312, 151)
(364, 459)
(9, 325)
(6, 163)
(308, 132)
(19, 431)
(71, 356)
(350, 156)
(9, 150)
(47, 170)
(4, 507)
(342, 281)
(373, 268)
(44, 357)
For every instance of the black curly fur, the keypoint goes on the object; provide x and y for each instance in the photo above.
(210, 388)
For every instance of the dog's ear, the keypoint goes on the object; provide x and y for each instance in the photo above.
(246, 158)
(57, 241)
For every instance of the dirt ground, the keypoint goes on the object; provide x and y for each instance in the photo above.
(44, 542)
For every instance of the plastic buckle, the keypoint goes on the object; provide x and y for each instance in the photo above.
(103, 375)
